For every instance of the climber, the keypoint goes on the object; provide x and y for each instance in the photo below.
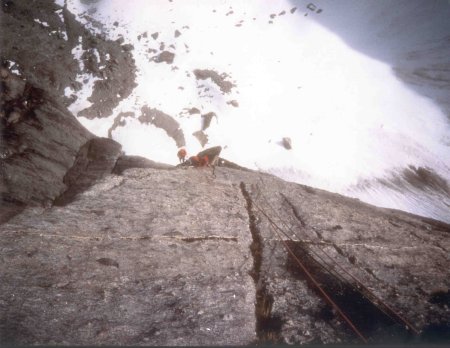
(182, 155)
(205, 158)
(210, 156)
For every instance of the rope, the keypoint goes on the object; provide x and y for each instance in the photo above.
(310, 276)
(392, 313)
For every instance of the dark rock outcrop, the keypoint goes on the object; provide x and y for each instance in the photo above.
(96, 159)
(119, 121)
(287, 143)
(164, 56)
(38, 148)
(127, 162)
(161, 120)
(192, 110)
(201, 136)
(51, 66)
(219, 79)
(206, 120)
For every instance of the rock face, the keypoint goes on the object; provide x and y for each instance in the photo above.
(40, 138)
(96, 159)
(37, 149)
(126, 162)
(96, 251)
(171, 273)
(176, 257)
(51, 66)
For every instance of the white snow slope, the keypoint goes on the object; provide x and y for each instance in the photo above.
(351, 121)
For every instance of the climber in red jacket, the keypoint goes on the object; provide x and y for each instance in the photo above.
(205, 158)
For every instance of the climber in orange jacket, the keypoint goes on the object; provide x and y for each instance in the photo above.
(182, 155)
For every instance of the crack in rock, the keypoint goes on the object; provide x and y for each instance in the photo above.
(268, 327)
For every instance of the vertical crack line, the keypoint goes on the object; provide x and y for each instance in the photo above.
(267, 327)
(294, 210)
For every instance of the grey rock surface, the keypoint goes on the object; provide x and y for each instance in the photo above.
(37, 149)
(178, 257)
(136, 259)
(402, 259)
(39, 137)
(95, 159)
(126, 162)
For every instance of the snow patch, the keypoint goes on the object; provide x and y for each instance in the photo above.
(60, 15)
(14, 67)
(44, 24)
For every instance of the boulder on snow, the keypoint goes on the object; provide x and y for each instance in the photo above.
(219, 79)
(164, 121)
(206, 120)
(233, 103)
(287, 143)
(164, 56)
(201, 136)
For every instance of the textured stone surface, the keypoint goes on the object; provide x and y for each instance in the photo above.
(50, 65)
(40, 138)
(38, 148)
(95, 159)
(176, 257)
(138, 259)
(403, 259)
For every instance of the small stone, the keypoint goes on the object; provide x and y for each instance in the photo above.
(287, 143)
